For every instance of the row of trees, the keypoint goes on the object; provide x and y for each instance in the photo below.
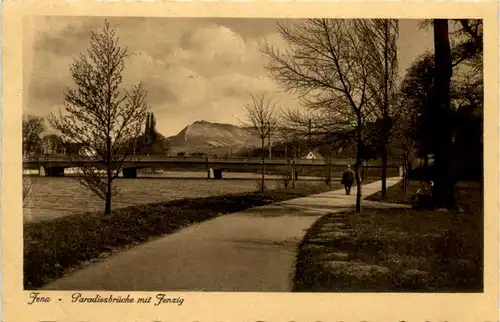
(36, 143)
(344, 71)
(346, 74)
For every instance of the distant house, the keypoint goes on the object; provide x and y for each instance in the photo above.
(279, 152)
(52, 145)
(313, 155)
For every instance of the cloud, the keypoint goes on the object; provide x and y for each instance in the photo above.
(192, 69)
(203, 70)
(217, 50)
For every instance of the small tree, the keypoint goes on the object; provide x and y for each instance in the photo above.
(416, 92)
(28, 186)
(33, 127)
(98, 116)
(261, 121)
(150, 142)
(288, 137)
(150, 134)
(403, 130)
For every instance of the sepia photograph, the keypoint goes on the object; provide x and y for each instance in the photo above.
(252, 155)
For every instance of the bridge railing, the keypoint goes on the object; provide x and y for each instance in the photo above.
(188, 159)
(160, 158)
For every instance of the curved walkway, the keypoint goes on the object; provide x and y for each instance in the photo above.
(252, 250)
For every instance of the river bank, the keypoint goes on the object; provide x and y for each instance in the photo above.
(54, 197)
(54, 248)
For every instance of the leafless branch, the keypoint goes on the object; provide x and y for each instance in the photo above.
(327, 66)
(28, 186)
(98, 115)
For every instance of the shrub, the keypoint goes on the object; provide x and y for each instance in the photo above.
(285, 179)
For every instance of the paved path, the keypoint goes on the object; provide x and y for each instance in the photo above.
(251, 250)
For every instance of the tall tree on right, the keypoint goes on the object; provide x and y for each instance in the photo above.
(468, 48)
(441, 116)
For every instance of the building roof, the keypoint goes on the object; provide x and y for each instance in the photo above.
(316, 154)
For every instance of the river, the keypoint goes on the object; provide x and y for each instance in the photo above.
(53, 197)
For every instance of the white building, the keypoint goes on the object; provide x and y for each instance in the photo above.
(313, 155)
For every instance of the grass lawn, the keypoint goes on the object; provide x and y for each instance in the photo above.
(395, 193)
(396, 250)
(56, 247)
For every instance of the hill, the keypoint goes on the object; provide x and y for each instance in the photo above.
(218, 138)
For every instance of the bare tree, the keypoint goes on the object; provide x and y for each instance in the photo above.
(98, 115)
(381, 35)
(326, 66)
(404, 130)
(33, 127)
(288, 136)
(28, 186)
(261, 121)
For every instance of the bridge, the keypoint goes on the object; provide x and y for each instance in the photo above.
(54, 165)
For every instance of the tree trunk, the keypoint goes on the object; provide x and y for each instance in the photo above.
(442, 123)
(109, 174)
(405, 175)
(385, 124)
(269, 143)
(262, 166)
(293, 166)
(356, 169)
(107, 208)
(384, 169)
(330, 164)
(407, 171)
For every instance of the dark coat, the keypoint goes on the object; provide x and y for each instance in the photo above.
(347, 177)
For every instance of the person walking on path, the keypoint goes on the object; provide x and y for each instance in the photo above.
(348, 180)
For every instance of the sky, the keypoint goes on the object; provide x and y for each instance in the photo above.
(192, 68)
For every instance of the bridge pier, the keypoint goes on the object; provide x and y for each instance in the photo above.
(217, 174)
(130, 173)
(51, 172)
